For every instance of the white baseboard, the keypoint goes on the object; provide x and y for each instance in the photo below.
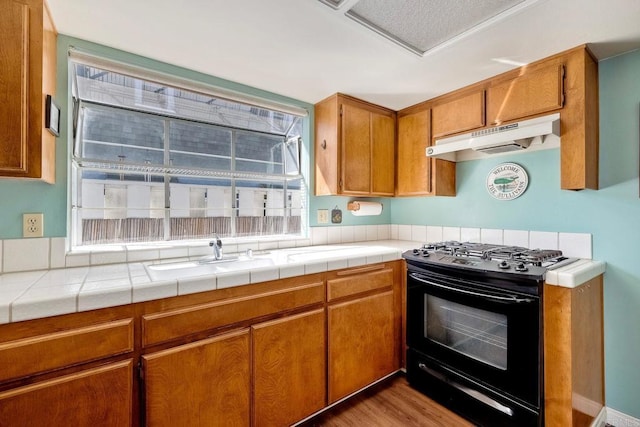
(619, 419)
(601, 419)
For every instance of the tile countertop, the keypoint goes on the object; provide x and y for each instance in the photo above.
(44, 293)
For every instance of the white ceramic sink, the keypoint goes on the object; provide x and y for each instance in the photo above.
(177, 270)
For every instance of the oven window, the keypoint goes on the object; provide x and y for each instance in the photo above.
(476, 333)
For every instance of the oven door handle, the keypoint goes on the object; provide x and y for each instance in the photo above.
(510, 298)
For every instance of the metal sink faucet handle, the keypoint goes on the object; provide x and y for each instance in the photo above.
(217, 247)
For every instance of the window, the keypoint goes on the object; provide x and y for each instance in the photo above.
(154, 162)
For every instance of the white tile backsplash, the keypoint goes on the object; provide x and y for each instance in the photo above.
(319, 235)
(470, 235)
(333, 235)
(451, 233)
(576, 245)
(394, 231)
(142, 255)
(543, 240)
(516, 238)
(359, 233)
(25, 254)
(112, 257)
(347, 234)
(372, 232)
(58, 252)
(384, 232)
(434, 234)
(404, 232)
(419, 233)
(491, 235)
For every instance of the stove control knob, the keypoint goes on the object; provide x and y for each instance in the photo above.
(416, 251)
(425, 254)
(521, 267)
(503, 265)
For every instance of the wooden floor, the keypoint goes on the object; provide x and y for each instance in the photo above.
(388, 404)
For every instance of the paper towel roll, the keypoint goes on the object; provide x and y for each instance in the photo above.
(359, 208)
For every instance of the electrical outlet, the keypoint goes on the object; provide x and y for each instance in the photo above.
(32, 225)
(323, 216)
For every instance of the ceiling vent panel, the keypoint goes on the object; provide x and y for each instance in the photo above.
(335, 4)
(424, 25)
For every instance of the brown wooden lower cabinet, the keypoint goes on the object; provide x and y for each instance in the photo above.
(95, 397)
(268, 354)
(204, 383)
(289, 368)
(361, 343)
(574, 353)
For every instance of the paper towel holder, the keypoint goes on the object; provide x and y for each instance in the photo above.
(362, 208)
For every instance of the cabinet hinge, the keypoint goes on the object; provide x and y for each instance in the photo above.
(341, 111)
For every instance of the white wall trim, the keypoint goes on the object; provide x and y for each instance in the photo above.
(601, 419)
(620, 419)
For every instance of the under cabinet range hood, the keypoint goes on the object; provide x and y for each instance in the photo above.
(533, 134)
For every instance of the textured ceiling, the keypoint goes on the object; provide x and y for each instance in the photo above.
(422, 25)
(307, 51)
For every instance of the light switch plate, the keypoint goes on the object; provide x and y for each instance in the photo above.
(323, 216)
(32, 225)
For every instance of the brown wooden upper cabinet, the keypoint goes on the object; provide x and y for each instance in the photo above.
(28, 51)
(531, 93)
(463, 113)
(354, 148)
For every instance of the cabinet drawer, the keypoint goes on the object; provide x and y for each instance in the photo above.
(59, 349)
(533, 93)
(95, 397)
(358, 280)
(461, 114)
(166, 326)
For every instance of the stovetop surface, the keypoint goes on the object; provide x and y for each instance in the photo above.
(501, 260)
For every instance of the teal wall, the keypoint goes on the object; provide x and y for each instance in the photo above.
(20, 196)
(611, 215)
(608, 214)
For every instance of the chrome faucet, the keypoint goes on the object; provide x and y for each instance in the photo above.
(217, 247)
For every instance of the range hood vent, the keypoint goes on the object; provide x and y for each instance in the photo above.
(534, 134)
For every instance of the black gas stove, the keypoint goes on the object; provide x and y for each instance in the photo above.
(488, 259)
(474, 329)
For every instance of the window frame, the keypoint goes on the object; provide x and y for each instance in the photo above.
(78, 164)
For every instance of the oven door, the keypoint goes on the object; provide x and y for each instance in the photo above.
(488, 335)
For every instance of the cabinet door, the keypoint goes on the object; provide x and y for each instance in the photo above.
(414, 167)
(14, 108)
(205, 383)
(459, 115)
(361, 349)
(289, 365)
(356, 150)
(28, 52)
(382, 154)
(95, 397)
(530, 94)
